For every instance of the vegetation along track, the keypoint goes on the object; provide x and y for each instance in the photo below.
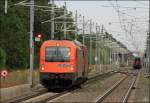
(44, 95)
(121, 90)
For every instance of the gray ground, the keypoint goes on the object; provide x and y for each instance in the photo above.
(89, 92)
(141, 92)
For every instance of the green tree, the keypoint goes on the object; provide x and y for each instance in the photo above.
(2, 58)
(14, 39)
(14, 28)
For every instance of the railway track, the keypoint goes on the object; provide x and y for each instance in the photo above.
(127, 83)
(48, 96)
(132, 86)
(28, 95)
(40, 96)
(43, 95)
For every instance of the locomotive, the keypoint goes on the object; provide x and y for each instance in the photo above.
(137, 63)
(63, 63)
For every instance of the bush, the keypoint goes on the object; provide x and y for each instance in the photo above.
(2, 58)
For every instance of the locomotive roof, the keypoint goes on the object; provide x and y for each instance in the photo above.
(68, 42)
(74, 41)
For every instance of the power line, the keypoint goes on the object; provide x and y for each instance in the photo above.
(139, 2)
(122, 24)
(126, 7)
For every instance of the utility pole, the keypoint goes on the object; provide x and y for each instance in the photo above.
(90, 42)
(149, 48)
(96, 48)
(116, 58)
(83, 30)
(110, 60)
(6, 6)
(76, 21)
(105, 55)
(31, 42)
(65, 12)
(149, 45)
(102, 48)
(52, 19)
(102, 30)
(99, 49)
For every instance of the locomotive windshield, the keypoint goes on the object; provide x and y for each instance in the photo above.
(57, 54)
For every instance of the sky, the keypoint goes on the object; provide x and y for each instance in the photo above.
(127, 21)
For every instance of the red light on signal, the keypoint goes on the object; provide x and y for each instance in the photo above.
(39, 35)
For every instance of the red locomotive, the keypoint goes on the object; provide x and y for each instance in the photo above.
(63, 63)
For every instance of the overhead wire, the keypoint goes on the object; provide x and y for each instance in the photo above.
(126, 7)
(139, 2)
(122, 24)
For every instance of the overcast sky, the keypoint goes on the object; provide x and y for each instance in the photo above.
(132, 18)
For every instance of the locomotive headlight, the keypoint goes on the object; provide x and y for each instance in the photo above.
(72, 68)
(42, 66)
(57, 44)
(69, 53)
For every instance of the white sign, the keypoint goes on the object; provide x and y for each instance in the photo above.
(4, 73)
(37, 39)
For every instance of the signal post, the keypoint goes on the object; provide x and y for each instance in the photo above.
(31, 42)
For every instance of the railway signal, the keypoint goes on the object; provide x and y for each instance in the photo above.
(38, 37)
(31, 42)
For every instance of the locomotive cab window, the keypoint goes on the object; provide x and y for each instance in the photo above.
(57, 54)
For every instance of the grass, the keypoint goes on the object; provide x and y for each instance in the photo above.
(18, 77)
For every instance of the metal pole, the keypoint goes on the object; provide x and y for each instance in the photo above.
(52, 20)
(102, 53)
(117, 60)
(65, 36)
(83, 31)
(99, 51)
(6, 5)
(102, 30)
(31, 42)
(149, 49)
(110, 59)
(90, 42)
(98, 56)
(114, 58)
(123, 58)
(96, 51)
(76, 21)
(105, 60)
(119, 56)
(112, 53)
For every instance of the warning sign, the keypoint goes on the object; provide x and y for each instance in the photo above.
(4, 73)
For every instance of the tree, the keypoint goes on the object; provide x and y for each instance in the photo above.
(14, 39)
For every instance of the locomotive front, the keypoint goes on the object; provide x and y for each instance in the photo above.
(57, 64)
